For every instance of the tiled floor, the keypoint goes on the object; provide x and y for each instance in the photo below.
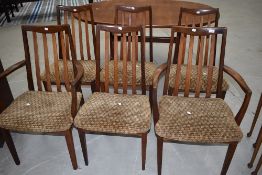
(121, 155)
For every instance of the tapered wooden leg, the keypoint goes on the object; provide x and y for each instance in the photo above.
(1, 139)
(230, 153)
(93, 86)
(224, 94)
(10, 144)
(257, 146)
(259, 106)
(143, 145)
(258, 166)
(82, 138)
(71, 148)
(159, 154)
(151, 96)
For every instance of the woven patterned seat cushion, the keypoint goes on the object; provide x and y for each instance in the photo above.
(115, 113)
(193, 78)
(36, 111)
(149, 72)
(199, 120)
(89, 67)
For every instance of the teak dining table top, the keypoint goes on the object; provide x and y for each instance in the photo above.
(165, 12)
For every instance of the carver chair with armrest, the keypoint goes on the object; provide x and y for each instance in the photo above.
(117, 113)
(194, 118)
(82, 40)
(198, 18)
(44, 112)
(136, 16)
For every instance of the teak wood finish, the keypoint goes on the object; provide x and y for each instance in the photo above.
(199, 18)
(82, 40)
(46, 33)
(123, 48)
(188, 34)
(258, 142)
(165, 13)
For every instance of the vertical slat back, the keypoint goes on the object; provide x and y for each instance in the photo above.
(82, 20)
(136, 16)
(48, 38)
(184, 66)
(129, 68)
(198, 18)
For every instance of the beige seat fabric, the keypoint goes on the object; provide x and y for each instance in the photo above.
(149, 72)
(115, 113)
(193, 78)
(89, 67)
(199, 120)
(36, 111)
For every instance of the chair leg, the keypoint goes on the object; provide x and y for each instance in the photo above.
(10, 144)
(93, 86)
(259, 106)
(257, 146)
(143, 145)
(159, 154)
(82, 138)
(71, 148)
(1, 140)
(224, 94)
(151, 96)
(258, 166)
(230, 153)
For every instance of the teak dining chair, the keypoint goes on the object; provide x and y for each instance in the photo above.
(82, 40)
(136, 16)
(198, 18)
(44, 112)
(189, 118)
(114, 113)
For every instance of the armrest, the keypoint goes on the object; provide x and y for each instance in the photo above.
(241, 82)
(11, 69)
(75, 85)
(158, 72)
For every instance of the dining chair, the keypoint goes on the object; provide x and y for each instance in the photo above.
(37, 111)
(117, 112)
(136, 16)
(198, 18)
(258, 142)
(194, 118)
(82, 40)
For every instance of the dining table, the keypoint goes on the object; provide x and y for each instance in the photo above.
(165, 13)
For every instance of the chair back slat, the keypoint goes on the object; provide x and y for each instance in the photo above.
(185, 70)
(51, 37)
(47, 65)
(56, 66)
(136, 16)
(37, 68)
(129, 69)
(80, 17)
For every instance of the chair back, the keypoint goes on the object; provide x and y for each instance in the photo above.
(205, 53)
(46, 52)
(199, 17)
(131, 70)
(136, 16)
(79, 18)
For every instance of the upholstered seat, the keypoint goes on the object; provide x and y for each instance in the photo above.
(89, 67)
(115, 113)
(198, 120)
(193, 78)
(150, 68)
(37, 111)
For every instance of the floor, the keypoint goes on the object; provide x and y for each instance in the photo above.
(121, 155)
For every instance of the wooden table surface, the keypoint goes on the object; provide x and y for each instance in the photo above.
(165, 12)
